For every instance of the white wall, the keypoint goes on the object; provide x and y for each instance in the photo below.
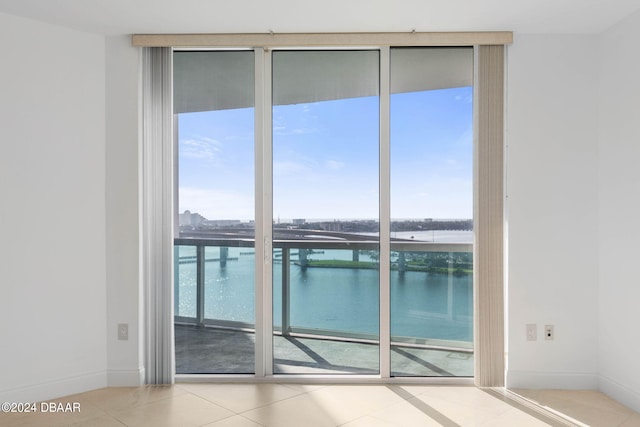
(125, 358)
(552, 211)
(52, 211)
(619, 209)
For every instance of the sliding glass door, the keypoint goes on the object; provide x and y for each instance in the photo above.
(214, 296)
(325, 207)
(358, 141)
(431, 161)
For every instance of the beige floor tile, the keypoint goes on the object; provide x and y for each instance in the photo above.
(632, 421)
(588, 398)
(412, 413)
(417, 389)
(304, 388)
(594, 417)
(183, 410)
(587, 406)
(463, 395)
(514, 417)
(302, 410)
(369, 421)
(242, 397)
(116, 399)
(55, 420)
(29, 420)
(104, 421)
(351, 401)
(469, 408)
(234, 421)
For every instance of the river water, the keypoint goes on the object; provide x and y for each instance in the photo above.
(423, 305)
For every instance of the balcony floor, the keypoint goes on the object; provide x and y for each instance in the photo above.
(212, 350)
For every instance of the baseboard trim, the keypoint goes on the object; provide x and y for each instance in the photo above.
(55, 388)
(619, 392)
(125, 377)
(552, 380)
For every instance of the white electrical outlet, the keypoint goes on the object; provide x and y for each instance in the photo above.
(532, 332)
(549, 333)
(123, 331)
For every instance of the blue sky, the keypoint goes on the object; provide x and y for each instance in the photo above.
(325, 157)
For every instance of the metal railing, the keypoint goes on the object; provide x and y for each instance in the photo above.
(305, 247)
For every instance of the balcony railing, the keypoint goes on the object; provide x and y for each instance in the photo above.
(440, 271)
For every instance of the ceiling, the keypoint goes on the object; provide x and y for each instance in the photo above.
(112, 17)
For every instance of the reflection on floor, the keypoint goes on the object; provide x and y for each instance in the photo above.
(284, 405)
(212, 350)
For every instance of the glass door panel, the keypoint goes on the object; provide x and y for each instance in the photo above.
(215, 257)
(431, 161)
(325, 107)
(325, 210)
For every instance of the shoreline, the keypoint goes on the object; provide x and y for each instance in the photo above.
(355, 265)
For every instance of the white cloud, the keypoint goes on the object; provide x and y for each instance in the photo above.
(297, 121)
(467, 99)
(284, 131)
(289, 168)
(201, 148)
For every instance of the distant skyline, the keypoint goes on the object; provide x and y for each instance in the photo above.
(325, 159)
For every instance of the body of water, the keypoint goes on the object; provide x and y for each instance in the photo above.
(424, 305)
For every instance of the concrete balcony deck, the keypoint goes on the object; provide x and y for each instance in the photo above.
(209, 350)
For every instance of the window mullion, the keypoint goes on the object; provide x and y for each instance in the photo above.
(267, 190)
(263, 232)
(385, 216)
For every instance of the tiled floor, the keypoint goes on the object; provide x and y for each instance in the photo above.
(298, 405)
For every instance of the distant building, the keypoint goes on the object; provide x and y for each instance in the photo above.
(298, 221)
(332, 226)
(191, 219)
